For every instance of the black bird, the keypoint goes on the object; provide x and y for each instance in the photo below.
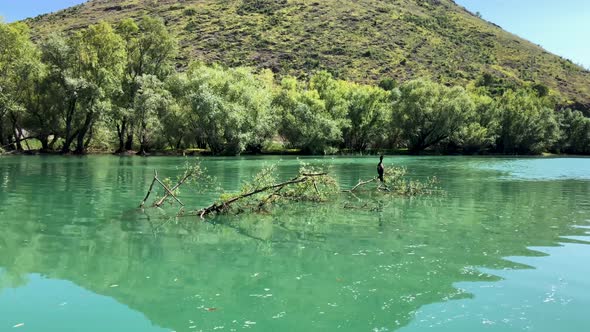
(380, 169)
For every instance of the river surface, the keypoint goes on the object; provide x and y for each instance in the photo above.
(505, 248)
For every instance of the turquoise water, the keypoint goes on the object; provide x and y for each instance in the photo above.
(505, 249)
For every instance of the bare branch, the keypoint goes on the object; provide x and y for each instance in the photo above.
(149, 190)
(360, 184)
(187, 175)
(168, 190)
(219, 207)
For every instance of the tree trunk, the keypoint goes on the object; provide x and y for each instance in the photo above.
(121, 132)
(68, 142)
(80, 148)
(129, 142)
(89, 138)
(16, 132)
(69, 137)
(143, 140)
(19, 146)
(44, 142)
(10, 144)
(2, 138)
(53, 141)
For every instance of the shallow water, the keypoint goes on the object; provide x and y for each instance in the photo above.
(506, 249)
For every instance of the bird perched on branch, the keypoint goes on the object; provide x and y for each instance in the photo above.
(380, 169)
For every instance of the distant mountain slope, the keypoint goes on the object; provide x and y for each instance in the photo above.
(360, 40)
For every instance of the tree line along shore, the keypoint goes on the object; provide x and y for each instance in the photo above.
(117, 88)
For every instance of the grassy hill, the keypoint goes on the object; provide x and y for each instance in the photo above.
(360, 40)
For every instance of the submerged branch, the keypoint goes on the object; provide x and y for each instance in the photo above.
(219, 207)
(360, 184)
(190, 172)
(187, 175)
(168, 191)
(147, 195)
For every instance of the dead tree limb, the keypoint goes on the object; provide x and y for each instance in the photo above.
(168, 190)
(270, 197)
(180, 183)
(221, 206)
(314, 174)
(360, 184)
(316, 187)
(149, 190)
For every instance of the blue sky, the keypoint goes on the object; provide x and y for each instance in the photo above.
(14, 10)
(561, 27)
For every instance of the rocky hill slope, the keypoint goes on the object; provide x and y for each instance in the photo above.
(359, 40)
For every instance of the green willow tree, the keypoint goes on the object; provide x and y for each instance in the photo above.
(85, 72)
(574, 132)
(151, 50)
(20, 69)
(528, 123)
(97, 61)
(481, 132)
(62, 89)
(229, 110)
(152, 103)
(307, 121)
(428, 113)
(367, 110)
(177, 130)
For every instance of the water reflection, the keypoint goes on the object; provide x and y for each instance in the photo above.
(310, 267)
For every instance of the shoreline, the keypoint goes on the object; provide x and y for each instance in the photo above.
(204, 153)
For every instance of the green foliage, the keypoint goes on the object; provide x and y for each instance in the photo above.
(152, 102)
(317, 189)
(229, 109)
(481, 132)
(575, 132)
(191, 174)
(19, 69)
(398, 183)
(312, 117)
(492, 85)
(260, 6)
(91, 75)
(528, 124)
(367, 112)
(388, 84)
(150, 50)
(99, 56)
(541, 89)
(428, 113)
(312, 184)
(150, 47)
(189, 12)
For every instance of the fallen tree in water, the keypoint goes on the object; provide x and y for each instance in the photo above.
(312, 184)
(309, 185)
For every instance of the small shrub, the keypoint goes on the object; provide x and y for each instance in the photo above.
(189, 12)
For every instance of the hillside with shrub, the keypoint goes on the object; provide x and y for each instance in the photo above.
(363, 41)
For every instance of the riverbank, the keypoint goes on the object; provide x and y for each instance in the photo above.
(284, 152)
